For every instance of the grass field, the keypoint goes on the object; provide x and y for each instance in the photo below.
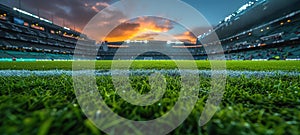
(48, 105)
(202, 65)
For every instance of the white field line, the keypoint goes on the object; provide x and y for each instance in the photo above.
(205, 73)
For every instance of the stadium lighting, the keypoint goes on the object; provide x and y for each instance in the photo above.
(32, 15)
(45, 20)
(146, 41)
(240, 10)
(66, 28)
(178, 42)
(127, 41)
(24, 12)
(175, 42)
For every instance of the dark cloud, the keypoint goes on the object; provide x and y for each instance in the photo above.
(73, 12)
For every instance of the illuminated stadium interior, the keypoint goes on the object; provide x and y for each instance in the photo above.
(28, 36)
(132, 73)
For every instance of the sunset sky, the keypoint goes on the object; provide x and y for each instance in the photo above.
(77, 13)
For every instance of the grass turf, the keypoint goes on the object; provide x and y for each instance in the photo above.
(47, 105)
(202, 65)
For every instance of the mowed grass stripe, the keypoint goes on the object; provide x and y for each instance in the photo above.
(106, 64)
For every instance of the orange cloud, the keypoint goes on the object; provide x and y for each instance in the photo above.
(187, 37)
(147, 28)
(102, 4)
(97, 7)
(142, 28)
(136, 28)
(146, 36)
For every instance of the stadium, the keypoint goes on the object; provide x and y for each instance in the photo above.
(26, 36)
(261, 48)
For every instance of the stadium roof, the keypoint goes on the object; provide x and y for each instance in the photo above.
(257, 14)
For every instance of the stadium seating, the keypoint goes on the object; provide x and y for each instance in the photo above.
(44, 41)
(277, 38)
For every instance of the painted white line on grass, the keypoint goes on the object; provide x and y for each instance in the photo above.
(202, 73)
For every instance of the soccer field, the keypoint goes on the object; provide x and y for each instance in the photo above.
(251, 104)
(163, 64)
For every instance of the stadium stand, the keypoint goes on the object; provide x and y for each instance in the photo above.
(27, 36)
(247, 34)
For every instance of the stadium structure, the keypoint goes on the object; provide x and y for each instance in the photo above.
(259, 30)
(28, 37)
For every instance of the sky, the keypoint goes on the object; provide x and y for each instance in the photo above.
(76, 14)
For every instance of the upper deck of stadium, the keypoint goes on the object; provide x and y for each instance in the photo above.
(253, 14)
